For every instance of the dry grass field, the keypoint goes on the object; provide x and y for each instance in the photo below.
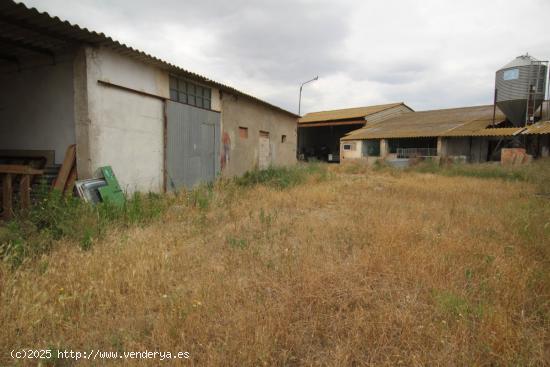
(351, 267)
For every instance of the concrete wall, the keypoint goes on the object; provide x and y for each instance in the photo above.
(124, 129)
(37, 109)
(358, 153)
(457, 146)
(478, 152)
(238, 154)
(354, 153)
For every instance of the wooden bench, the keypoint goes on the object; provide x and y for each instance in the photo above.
(8, 172)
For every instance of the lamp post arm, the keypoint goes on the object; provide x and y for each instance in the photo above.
(300, 97)
(300, 100)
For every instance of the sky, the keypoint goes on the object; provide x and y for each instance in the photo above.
(427, 53)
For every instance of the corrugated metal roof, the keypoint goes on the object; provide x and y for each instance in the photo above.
(25, 31)
(346, 113)
(447, 122)
(503, 131)
(542, 127)
(359, 123)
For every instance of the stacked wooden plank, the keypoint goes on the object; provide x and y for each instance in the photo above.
(67, 174)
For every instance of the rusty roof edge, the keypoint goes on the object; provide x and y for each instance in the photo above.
(105, 40)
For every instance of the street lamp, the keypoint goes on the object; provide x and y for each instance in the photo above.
(300, 99)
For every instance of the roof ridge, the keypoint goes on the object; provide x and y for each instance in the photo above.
(455, 108)
(354, 108)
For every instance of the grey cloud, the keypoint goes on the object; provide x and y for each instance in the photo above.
(428, 53)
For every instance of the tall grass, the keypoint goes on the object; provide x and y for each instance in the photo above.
(55, 217)
(283, 177)
(352, 269)
(537, 173)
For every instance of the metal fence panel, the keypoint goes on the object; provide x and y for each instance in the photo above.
(416, 152)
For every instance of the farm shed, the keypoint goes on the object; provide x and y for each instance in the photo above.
(159, 126)
(465, 134)
(320, 132)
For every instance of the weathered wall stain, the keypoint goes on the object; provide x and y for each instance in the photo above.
(225, 151)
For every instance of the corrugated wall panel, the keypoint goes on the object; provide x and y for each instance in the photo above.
(193, 145)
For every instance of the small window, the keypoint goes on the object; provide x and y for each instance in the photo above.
(191, 89)
(199, 102)
(189, 93)
(243, 132)
(264, 134)
(181, 86)
(347, 146)
(173, 88)
(283, 138)
(173, 94)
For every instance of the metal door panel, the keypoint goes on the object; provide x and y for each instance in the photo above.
(192, 145)
(207, 153)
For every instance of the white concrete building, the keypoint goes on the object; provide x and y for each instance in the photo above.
(159, 126)
(468, 134)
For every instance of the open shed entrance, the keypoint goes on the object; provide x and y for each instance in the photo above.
(36, 123)
(37, 115)
(323, 142)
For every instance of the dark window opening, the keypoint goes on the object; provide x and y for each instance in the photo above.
(371, 148)
(283, 138)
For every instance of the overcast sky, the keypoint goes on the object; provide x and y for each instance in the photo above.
(426, 53)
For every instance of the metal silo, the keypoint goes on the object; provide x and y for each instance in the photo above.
(520, 88)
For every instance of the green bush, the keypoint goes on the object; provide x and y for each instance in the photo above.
(201, 196)
(283, 177)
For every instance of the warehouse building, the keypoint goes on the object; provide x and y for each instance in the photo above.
(469, 134)
(320, 132)
(159, 126)
(517, 122)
